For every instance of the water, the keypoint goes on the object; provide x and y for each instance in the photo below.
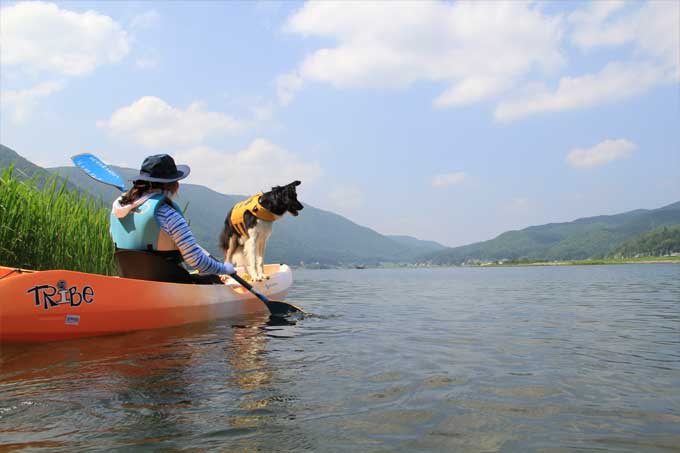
(485, 359)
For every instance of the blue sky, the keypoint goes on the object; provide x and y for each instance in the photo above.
(450, 121)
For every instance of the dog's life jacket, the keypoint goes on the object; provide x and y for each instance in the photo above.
(253, 206)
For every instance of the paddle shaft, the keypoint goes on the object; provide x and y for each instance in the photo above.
(276, 308)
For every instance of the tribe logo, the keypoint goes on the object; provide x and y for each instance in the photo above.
(50, 296)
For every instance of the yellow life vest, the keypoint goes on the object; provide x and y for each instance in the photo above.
(253, 206)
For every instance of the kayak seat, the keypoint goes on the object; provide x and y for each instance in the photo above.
(158, 267)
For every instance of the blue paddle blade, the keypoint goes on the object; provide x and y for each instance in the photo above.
(98, 170)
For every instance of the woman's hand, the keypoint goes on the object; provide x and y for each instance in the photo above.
(230, 268)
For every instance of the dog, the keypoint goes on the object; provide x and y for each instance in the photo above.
(249, 223)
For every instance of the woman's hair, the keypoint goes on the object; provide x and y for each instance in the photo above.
(139, 188)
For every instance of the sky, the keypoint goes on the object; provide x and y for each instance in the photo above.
(446, 121)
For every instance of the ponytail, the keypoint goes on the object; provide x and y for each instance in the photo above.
(139, 188)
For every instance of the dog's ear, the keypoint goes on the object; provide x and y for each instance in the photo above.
(295, 183)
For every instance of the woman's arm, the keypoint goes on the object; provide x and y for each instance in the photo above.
(194, 255)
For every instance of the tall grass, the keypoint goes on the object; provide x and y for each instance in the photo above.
(52, 228)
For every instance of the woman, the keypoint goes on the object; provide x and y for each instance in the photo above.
(146, 219)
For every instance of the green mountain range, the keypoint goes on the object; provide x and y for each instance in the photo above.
(316, 237)
(322, 238)
(591, 237)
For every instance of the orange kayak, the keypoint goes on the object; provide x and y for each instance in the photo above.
(38, 306)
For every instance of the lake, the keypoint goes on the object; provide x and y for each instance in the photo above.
(448, 359)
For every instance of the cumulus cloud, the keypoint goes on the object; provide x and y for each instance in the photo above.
(258, 167)
(40, 37)
(652, 28)
(20, 103)
(488, 51)
(153, 123)
(449, 179)
(600, 154)
(434, 41)
(616, 81)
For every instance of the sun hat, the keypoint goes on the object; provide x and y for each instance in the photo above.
(162, 168)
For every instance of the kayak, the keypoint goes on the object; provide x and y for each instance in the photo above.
(39, 306)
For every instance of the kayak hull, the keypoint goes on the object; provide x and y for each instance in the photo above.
(57, 305)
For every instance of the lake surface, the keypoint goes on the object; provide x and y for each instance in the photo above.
(578, 358)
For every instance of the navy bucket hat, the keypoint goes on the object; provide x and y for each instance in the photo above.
(162, 168)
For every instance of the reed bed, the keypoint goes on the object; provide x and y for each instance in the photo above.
(52, 228)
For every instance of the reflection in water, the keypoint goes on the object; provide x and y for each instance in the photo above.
(208, 383)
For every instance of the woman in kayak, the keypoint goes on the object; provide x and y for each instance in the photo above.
(146, 219)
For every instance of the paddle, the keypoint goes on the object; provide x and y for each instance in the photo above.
(277, 308)
(99, 171)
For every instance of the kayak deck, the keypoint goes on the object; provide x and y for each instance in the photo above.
(38, 306)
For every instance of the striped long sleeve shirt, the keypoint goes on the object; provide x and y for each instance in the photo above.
(194, 255)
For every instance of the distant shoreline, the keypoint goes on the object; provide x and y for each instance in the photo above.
(589, 262)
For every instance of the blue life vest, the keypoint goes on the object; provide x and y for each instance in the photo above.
(139, 230)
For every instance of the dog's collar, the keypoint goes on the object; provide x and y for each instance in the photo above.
(253, 206)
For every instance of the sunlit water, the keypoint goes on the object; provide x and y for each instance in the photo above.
(484, 359)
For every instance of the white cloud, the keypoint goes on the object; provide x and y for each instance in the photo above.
(153, 123)
(616, 81)
(449, 179)
(258, 167)
(652, 28)
(471, 90)
(474, 47)
(587, 24)
(20, 103)
(40, 37)
(485, 51)
(600, 154)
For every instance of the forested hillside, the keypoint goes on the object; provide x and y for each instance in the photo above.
(592, 237)
(658, 242)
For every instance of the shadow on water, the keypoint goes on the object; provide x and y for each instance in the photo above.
(204, 386)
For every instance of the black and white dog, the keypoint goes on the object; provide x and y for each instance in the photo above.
(249, 224)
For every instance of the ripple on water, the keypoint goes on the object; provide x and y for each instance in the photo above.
(515, 359)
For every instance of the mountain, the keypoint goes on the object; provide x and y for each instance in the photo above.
(24, 169)
(590, 237)
(658, 242)
(319, 237)
(315, 237)
(415, 243)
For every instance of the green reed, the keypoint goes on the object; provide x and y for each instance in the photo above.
(52, 227)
